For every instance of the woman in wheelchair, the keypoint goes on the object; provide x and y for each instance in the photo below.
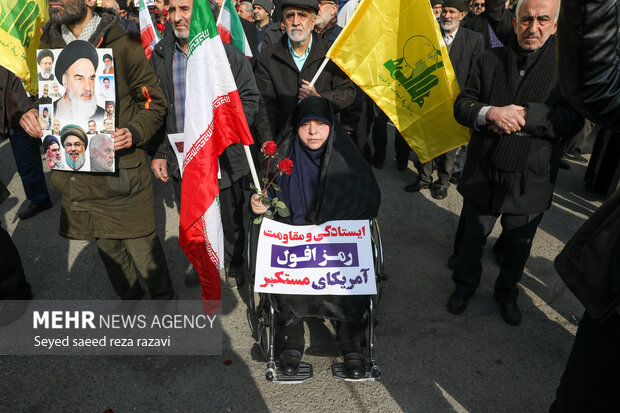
(330, 181)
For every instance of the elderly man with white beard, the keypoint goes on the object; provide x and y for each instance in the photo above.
(76, 68)
(284, 71)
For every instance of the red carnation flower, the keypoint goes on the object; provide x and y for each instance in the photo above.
(164, 12)
(156, 11)
(270, 148)
(160, 27)
(286, 166)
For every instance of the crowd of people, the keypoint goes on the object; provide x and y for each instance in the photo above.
(521, 119)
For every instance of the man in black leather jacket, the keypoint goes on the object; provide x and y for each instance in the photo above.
(590, 263)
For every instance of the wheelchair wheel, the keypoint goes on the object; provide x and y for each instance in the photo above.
(263, 340)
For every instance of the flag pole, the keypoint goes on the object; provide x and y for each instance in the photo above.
(318, 72)
(248, 155)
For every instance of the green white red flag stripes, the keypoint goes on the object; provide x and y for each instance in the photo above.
(148, 33)
(214, 119)
(230, 28)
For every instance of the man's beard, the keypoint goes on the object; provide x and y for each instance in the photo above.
(81, 109)
(103, 164)
(321, 21)
(179, 36)
(69, 15)
(448, 27)
(77, 164)
(108, 66)
(296, 35)
(46, 75)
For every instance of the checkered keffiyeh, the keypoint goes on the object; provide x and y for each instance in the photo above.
(88, 31)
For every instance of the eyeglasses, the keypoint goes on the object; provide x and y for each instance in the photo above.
(478, 4)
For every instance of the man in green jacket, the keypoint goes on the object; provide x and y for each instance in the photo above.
(117, 210)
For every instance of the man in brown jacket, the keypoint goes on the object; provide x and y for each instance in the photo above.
(117, 210)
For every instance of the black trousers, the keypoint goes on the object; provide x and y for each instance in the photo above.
(232, 205)
(379, 139)
(27, 153)
(517, 235)
(591, 381)
(445, 165)
(13, 284)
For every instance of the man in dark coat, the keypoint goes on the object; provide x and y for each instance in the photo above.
(515, 106)
(590, 262)
(13, 285)
(327, 20)
(117, 210)
(169, 55)
(285, 69)
(464, 47)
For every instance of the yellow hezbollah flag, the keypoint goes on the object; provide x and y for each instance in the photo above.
(394, 51)
(20, 31)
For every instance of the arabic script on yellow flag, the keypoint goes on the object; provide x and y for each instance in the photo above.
(394, 51)
(20, 31)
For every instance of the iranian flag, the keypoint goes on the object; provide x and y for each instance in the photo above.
(231, 30)
(214, 119)
(148, 33)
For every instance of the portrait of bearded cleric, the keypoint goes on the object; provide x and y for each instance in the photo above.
(74, 141)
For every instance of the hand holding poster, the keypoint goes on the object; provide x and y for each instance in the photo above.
(77, 107)
(334, 258)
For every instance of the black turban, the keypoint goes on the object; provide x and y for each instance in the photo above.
(107, 56)
(73, 130)
(49, 141)
(75, 50)
(44, 53)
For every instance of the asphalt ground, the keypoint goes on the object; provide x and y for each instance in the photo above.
(431, 361)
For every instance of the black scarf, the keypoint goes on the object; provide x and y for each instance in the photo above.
(510, 153)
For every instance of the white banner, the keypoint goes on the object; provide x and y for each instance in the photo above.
(334, 258)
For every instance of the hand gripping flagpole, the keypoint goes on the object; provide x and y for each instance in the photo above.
(318, 72)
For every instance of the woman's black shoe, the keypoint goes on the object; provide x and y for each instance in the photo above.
(355, 365)
(289, 361)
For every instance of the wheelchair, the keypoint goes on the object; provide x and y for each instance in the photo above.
(262, 318)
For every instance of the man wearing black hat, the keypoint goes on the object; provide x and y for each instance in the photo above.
(75, 68)
(117, 210)
(464, 48)
(285, 69)
(437, 6)
(45, 60)
(261, 11)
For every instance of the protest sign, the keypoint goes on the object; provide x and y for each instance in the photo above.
(77, 107)
(334, 258)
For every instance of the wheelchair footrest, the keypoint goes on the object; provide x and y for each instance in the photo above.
(303, 374)
(339, 373)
